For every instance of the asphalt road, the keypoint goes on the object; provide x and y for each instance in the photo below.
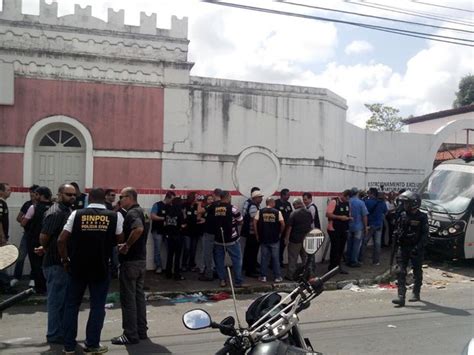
(338, 322)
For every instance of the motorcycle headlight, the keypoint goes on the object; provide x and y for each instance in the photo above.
(452, 230)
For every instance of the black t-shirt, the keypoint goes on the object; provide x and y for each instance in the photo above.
(25, 206)
(190, 213)
(159, 209)
(34, 225)
(54, 220)
(342, 209)
(135, 218)
(174, 219)
(4, 217)
(285, 208)
(300, 222)
(209, 225)
(91, 242)
(80, 202)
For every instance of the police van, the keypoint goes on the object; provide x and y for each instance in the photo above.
(447, 197)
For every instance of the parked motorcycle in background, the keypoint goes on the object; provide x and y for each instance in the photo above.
(272, 318)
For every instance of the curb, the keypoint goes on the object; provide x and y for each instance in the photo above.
(385, 277)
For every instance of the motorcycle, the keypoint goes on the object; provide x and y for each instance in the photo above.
(8, 256)
(272, 318)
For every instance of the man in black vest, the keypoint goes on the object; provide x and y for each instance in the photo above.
(311, 207)
(269, 226)
(284, 206)
(132, 270)
(56, 277)
(339, 214)
(226, 217)
(299, 225)
(248, 231)
(33, 222)
(85, 247)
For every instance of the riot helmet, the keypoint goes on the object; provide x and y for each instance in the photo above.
(410, 200)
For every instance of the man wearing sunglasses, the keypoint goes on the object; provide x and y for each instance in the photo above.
(56, 277)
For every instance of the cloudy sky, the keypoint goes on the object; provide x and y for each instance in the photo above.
(417, 76)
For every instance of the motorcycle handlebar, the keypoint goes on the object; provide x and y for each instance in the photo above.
(225, 350)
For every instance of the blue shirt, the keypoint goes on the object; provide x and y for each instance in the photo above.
(358, 212)
(377, 210)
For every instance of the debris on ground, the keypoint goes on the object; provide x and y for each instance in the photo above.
(353, 288)
(445, 274)
(109, 305)
(156, 297)
(195, 297)
(220, 296)
(389, 286)
(425, 266)
(391, 326)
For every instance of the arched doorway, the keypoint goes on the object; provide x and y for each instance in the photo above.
(59, 156)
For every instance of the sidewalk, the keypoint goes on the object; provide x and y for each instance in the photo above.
(158, 285)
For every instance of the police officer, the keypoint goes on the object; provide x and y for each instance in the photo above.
(85, 246)
(412, 233)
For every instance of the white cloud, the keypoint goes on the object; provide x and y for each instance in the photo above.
(358, 47)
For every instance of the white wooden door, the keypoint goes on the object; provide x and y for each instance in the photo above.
(59, 158)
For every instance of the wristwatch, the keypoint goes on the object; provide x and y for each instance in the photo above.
(65, 260)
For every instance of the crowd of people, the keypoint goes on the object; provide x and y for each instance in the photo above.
(76, 241)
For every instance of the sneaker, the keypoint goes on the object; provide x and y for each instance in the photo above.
(278, 280)
(123, 340)
(101, 349)
(32, 283)
(262, 279)
(376, 264)
(223, 283)
(178, 277)
(158, 270)
(13, 282)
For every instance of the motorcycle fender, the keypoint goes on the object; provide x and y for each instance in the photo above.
(278, 347)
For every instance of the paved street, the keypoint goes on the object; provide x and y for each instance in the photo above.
(340, 322)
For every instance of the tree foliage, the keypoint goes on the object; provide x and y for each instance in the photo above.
(383, 118)
(465, 95)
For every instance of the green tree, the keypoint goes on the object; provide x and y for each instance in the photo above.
(383, 118)
(465, 95)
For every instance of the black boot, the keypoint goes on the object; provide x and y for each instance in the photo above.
(400, 301)
(415, 297)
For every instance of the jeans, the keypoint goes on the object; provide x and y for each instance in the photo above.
(175, 244)
(23, 252)
(294, 249)
(98, 294)
(189, 251)
(376, 234)
(132, 298)
(157, 241)
(235, 254)
(250, 255)
(353, 246)
(208, 251)
(267, 252)
(338, 242)
(56, 284)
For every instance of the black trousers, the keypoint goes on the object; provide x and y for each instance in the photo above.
(249, 263)
(36, 263)
(338, 242)
(405, 255)
(175, 245)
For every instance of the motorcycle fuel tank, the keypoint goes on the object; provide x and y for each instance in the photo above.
(278, 347)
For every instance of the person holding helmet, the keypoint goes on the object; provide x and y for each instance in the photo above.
(412, 227)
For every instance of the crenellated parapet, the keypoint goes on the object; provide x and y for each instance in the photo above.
(82, 18)
(81, 46)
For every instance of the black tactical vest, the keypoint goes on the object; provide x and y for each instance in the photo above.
(342, 209)
(91, 242)
(268, 225)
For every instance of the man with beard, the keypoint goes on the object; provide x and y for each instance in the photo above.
(56, 277)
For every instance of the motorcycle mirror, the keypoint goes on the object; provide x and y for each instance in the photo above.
(8, 256)
(196, 319)
(313, 241)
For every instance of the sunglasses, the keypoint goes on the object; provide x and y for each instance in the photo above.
(123, 196)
